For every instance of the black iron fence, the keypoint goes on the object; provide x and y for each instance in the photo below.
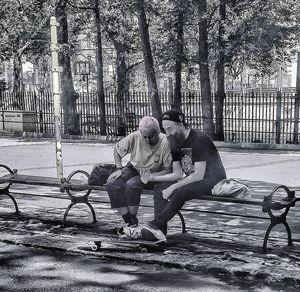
(271, 117)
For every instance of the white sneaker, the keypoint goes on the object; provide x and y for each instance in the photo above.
(133, 232)
(152, 234)
(120, 231)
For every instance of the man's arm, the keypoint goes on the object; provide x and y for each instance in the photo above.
(118, 163)
(198, 175)
(147, 176)
(167, 175)
(162, 172)
(118, 159)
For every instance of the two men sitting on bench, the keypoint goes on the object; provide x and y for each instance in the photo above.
(193, 153)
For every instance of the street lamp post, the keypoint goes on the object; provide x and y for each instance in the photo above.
(56, 96)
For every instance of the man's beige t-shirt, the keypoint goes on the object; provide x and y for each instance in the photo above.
(144, 156)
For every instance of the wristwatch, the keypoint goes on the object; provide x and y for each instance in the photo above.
(119, 167)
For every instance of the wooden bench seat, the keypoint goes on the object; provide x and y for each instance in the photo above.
(268, 204)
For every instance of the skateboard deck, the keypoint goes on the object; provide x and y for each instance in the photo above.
(138, 245)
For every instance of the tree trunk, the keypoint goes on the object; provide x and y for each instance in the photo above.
(148, 59)
(207, 109)
(99, 65)
(220, 97)
(18, 86)
(69, 96)
(179, 56)
(121, 90)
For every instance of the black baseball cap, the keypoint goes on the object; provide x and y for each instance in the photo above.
(174, 115)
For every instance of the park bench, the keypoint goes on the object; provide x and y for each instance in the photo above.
(269, 203)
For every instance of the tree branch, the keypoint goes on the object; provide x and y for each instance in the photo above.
(211, 14)
(80, 7)
(133, 65)
(23, 49)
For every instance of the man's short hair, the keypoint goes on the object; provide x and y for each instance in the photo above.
(149, 122)
(174, 115)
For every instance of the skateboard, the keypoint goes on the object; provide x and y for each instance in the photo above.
(139, 245)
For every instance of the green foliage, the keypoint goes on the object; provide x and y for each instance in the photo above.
(257, 33)
(120, 25)
(260, 34)
(24, 28)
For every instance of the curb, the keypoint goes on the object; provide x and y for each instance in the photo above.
(257, 146)
(85, 137)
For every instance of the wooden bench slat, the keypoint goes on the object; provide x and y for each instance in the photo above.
(31, 180)
(231, 200)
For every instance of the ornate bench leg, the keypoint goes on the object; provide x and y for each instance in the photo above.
(15, 202)
(182, 222)
(287, 227)
(75, 203)
(269, 206)
(93, 212)
(5, 190)
(288, 230)
(7, 193)
(267, 236)
(66, 214)
(80, 199)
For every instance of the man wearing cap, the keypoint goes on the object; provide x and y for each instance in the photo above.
(149, 153)
(193, 153)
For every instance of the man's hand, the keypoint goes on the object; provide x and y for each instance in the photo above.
(167, 193)
(115, 174)
(145, 175)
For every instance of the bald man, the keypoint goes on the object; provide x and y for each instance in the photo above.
(149, 153)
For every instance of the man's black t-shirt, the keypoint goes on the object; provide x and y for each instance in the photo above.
(199, 147)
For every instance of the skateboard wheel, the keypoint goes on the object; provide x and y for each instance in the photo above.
(96, 245)
(144, 249)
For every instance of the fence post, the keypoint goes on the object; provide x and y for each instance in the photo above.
(3, 121)
(56, 96)
(2, 108)
(296, 118)
(297, 101)
(278, 117)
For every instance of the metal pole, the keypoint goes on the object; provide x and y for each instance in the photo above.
(56, 96)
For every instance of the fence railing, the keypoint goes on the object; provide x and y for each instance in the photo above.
(271, 117)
